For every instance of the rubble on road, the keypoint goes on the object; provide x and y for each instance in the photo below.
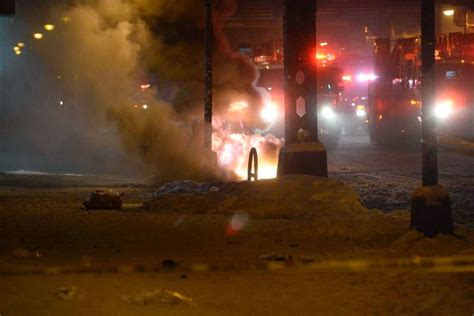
(187, 186)
(162, 296)
(65, 293)
(169, 264)
(25, 253)
(102, 200)
(275, 257)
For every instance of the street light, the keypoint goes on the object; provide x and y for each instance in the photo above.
(38, 36)
(449, 12)
(49, 27)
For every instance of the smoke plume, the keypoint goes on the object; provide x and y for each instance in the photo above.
(101, 51)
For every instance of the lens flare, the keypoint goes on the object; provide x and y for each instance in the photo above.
(237, 224)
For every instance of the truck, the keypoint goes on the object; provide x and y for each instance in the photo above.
(395, 97)
(330, 91)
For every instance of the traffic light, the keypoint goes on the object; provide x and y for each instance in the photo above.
(7, 7)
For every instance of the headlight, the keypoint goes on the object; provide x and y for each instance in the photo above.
(360, 111)
(328, 113)
(444, 109)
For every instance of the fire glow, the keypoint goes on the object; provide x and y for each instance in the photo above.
(270, 113)
(233, 150)
(238, 106)
(233, 147)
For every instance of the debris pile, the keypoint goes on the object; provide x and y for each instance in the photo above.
(187, 186)
(101, 200)
(159, 295)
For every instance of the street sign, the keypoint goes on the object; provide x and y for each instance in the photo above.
(7, 7)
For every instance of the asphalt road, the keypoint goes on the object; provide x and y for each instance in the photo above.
(42, 228)
(386, 177)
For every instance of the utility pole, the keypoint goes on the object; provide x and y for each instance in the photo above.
(208, 77)
(429, 140)
(431, 205)
(303, 153)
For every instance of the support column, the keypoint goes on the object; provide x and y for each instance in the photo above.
(431, 206)
(303, 153)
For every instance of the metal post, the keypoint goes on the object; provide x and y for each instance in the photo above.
(303, 153)
(429, 141)
(208, 77)
(431, 204)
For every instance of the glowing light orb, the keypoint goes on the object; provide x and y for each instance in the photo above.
(448, 12)
(444, 109)
(366, 77)
(328, 113)
(361, 112)
(143, 87)
(38, 36)
(49, 27)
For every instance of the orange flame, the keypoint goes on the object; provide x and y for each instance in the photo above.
(233, 150)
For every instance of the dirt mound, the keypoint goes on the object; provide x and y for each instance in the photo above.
(332, 208)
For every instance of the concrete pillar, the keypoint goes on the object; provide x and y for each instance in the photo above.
(303, 153)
